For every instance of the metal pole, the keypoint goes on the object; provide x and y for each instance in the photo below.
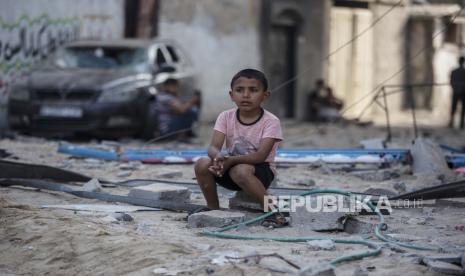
(412, 107)
(386, 111)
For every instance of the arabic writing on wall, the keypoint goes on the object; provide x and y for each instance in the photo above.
(28, 40)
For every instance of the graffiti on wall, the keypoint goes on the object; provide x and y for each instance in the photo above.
(28, 40)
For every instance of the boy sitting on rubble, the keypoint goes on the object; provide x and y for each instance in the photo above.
(252, 135)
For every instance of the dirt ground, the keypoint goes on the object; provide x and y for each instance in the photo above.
(40, 241)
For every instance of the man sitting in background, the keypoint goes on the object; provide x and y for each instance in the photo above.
(175, 118)
(322, 104)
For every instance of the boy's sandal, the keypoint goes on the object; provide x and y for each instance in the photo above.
(276, 220)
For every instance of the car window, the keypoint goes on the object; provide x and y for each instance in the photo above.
(118, 58)
(173, 54)
(160, 58)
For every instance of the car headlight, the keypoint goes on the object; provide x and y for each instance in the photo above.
(117, 95)
(19, 94)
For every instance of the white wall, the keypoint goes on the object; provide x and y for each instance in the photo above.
(221, 37)
(46, 24)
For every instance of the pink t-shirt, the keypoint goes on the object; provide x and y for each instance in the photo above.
(242, 139)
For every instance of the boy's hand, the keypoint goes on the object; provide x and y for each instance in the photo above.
(217, 168)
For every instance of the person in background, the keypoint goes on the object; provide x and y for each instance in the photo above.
(457, 81)
(322, 104)
(175, 117)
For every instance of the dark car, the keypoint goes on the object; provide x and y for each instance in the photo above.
(96, 87)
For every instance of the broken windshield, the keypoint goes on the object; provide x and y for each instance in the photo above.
(116, 58)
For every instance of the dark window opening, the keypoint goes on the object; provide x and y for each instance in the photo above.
(160, 59)
(351, 4)
(173, 54)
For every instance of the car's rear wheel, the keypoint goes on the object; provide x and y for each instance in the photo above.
(149, 129)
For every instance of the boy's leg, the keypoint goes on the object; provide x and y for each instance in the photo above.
(244, 176)
(207, 183)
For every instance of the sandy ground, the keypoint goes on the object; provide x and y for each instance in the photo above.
(38, 241)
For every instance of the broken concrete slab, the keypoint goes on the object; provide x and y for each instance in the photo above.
(242, 201)
(358, 226)
(317, 270)
(92, 186)
(428, 158)
(160, 191)
(214, 218)
(317, 217)
(448, 258)
(443, 267)
(321, 245)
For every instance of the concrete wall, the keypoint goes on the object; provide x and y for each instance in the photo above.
(221, 37)
(31, 30)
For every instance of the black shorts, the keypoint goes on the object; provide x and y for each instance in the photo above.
(262, 171)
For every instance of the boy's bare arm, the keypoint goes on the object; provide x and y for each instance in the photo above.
(216, 144)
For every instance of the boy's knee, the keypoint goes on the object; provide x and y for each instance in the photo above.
(240, 172)
(202, 165)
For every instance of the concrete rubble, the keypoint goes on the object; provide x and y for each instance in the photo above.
(215, 218)
(92, 186)
(160, 191)
(241, 200)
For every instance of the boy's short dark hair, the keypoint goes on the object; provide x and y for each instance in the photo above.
(251, 74)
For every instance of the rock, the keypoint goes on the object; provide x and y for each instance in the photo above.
(215, 218)
(380, 191)
(318, 219)
(428, 158)
(443, 267)
(122, 217)
(160, 191)
(356, 226)
(321, 245)
(400, 187)
(463, 262)
(374, 143)
(92, 186)
(242, 201)
(123, 174)
(317, 270)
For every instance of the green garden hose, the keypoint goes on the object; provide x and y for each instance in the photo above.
(376, 248)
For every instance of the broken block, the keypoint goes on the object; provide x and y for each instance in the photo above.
(242, 201)
(358, 226)
(443, 267)
(317, 215)
(429, 158)
(215, 218)
(161, 191)
(448, 258)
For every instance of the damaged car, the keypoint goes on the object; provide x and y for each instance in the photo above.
(98, 88)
